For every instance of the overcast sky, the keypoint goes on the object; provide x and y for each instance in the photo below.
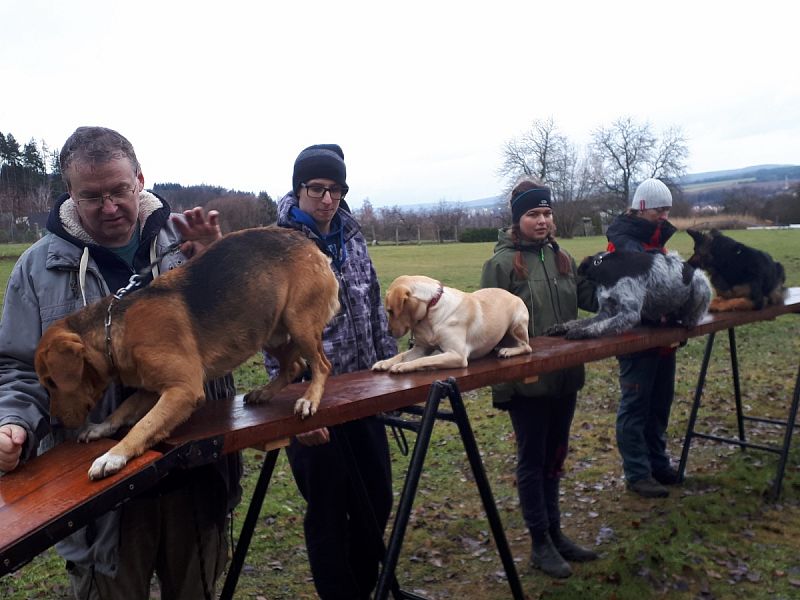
(421, 95)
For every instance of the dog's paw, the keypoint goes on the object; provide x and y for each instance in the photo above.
(402, 368)
(304, 408)
(513, 351)
(382, 365)
(106, 465)
(95, 431)
(578, 334)
(258, 396)
(557, 329)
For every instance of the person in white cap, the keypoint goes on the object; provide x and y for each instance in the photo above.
(647, 379)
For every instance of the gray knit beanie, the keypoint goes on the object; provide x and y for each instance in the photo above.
(651, 193)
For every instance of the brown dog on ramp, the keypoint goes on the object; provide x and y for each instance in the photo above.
(267, 287)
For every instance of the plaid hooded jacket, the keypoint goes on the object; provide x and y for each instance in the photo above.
(358, 335)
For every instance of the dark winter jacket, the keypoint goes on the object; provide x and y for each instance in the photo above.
(635, 234)
(59, 274)
(550, 297)
(358, 335)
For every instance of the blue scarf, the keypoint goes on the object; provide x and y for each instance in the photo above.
(331, 244)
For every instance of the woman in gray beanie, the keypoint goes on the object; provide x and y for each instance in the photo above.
(647, 378)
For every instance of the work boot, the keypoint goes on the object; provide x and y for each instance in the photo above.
(648, 488)
(668, 476)
(569, 550)
(546, 558)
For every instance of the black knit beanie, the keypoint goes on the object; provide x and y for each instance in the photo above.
(533, 198)
(320, 161)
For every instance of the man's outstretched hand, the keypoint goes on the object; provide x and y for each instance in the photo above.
(197, 230)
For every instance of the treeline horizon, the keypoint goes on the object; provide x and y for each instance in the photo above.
(585, 194)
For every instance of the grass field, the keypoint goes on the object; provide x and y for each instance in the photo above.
(715, 537)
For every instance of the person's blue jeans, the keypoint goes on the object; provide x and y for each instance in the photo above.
(647, 383)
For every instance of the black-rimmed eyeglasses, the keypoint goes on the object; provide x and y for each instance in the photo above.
(317, 191)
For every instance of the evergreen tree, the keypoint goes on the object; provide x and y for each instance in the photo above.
(270, 208)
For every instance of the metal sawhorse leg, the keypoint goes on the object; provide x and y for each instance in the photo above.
(249, 525)
(257, 501)
(789, 424)
(424, 428)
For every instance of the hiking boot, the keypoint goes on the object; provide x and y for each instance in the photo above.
(648, 488)
(668, 476)
(546, 558)
(569, 550)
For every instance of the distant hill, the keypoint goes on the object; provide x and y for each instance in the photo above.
(756, 173)
(468, 204)
(698, 188)
(760, 181)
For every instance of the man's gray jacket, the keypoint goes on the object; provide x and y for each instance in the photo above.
(59, 274)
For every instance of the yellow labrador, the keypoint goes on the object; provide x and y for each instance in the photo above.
(449, 326)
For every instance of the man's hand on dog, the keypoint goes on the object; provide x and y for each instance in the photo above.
(197, 230)
(317, 437)
(12, 439)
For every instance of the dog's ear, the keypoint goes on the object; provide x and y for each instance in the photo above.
(62, 361)
(396, 298)
(697, 236)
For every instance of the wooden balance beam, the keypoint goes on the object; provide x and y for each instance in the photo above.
(51, 496)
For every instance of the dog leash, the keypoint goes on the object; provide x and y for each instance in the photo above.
(134, 282)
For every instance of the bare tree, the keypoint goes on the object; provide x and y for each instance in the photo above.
(367, 219)
(396, 223)
(446, 219)
(669, 158)
(629, 151)
(543, 151)
(536, 152)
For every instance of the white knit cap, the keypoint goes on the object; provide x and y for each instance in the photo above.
(651, 193)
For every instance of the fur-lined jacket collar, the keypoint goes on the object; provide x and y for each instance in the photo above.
(65, 222)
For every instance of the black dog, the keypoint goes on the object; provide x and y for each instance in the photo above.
(633, 287)
(744, 278)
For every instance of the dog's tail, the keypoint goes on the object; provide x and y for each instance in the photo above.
(777, 294)
(780, 273)
(699, 299)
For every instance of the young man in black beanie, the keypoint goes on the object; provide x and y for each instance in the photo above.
(341, 536)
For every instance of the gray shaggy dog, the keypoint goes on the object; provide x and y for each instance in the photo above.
(639, 287)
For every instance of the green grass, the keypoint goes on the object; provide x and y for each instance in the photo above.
(715, 537)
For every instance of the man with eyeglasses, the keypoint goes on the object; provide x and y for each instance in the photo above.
(342, 540)
(106, 228)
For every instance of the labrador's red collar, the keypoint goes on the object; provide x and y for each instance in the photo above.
(437, 296)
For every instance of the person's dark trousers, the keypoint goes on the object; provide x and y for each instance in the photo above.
(342, 549)
(647, 384)
(541, 426)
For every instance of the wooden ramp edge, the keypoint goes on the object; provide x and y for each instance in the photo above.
(51, 496)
